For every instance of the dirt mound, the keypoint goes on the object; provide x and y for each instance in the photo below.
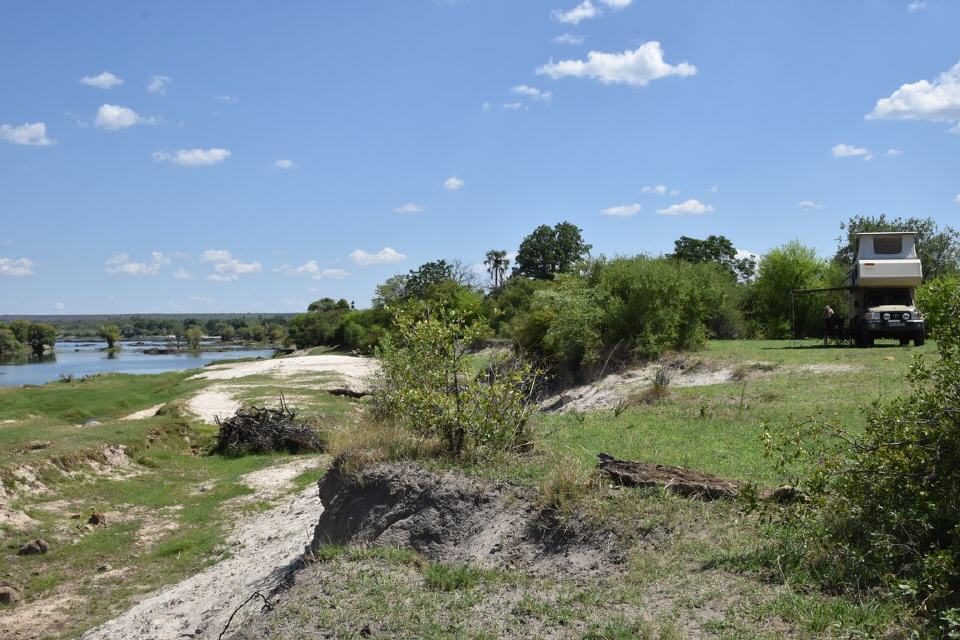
(451, 517)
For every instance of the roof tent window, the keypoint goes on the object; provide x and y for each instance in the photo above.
(887, 245)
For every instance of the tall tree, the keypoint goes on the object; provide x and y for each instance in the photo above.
(551, 250)
(497, 264)
(938, 249)
(110, 333)
(40, 336)
(717, 249)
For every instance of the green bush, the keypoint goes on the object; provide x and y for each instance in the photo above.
(426, 386)
(626, 307)
(935, 299)
(885, 505)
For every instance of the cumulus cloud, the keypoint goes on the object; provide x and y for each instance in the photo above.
(583, 11)
(285, 163)
(514, 106)
(636, 68)
(192, 157)
(384, 256)
(59, 306)
(850, 151)
(16, 267)
(809, 204)
(892, 152)
(919, 5)
(114, 117)
(617, 4)
(231, 269)
(622, 210)
(569, 38)
(31, 133)
(105, 80)
(312, 269)
(453, 183)
(689, 208)
(410, 207)
(957, 199)
(531, 92)
(182, 274)
(937, 100)
(659, 189)
(121, 264)
(159, 84)
(215, 255)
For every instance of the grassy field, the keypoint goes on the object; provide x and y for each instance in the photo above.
(168, 513)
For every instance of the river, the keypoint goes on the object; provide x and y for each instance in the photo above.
(82, 358)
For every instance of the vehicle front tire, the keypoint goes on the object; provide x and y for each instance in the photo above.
(918, 340)
(862, 339)
(904, 342)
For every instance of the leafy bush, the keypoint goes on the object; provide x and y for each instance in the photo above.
(627, 307)
(935, 299)
(425, 384)
(885, 505)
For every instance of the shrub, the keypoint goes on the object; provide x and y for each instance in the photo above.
(885, 505)
(426, 386)
(935, 299)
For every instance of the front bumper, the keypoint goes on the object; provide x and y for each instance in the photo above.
(893, 329)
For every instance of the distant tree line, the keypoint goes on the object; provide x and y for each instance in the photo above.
(558, 303)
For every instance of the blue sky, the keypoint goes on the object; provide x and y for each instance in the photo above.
(245, 156)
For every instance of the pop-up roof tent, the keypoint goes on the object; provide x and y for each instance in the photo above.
(886, 259)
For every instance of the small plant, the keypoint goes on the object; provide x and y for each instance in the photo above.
(65, 378)
(457, 577)
(661, 379)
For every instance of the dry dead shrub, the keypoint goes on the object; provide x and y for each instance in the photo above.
(370, 440)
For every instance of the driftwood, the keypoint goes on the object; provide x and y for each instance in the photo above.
(347, 392)
(686, 482)
(265, 430)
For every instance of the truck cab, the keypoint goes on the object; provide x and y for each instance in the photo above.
(883, 283)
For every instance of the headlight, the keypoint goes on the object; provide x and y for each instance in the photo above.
(906, 316)
(886, 316)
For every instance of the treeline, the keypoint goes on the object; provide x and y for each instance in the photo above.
(245, 327)
(557, 303)
(21, 338)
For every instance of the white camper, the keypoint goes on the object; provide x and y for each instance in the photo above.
(882, 285)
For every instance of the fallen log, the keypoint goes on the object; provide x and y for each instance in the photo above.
(686, 482)
(347, 392)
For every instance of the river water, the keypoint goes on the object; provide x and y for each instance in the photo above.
(87, 357)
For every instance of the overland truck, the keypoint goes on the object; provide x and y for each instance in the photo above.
(882, 286)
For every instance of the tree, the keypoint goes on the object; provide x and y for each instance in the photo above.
(40, 336)
(717, 249)
(9, 345)
(328, 304)
(496, 263)
(110, 333)
(227, 333)
(549, 251)
(938, 249)
(176, 329)
(427, 274)
(21, 330)
(792, 266)
(194, 335)
(392, 291)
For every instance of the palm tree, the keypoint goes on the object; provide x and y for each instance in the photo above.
(497, 264)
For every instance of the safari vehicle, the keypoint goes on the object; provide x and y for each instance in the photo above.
(882, 288)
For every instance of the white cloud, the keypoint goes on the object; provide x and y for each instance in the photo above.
(809, 204)
(569, 38)
(957, 199)
(714, 188)
(689, 208)
(746, 253)
(59, 306)
(230, 270)
(312, 269)
(215, 255)
(16, 267)
(120, 264)
(532, 92)
(114, 117)
(105, 80)
(453, 183)
(385, 255)
(659, 189)
(919, 5)
(192, 157)
(285, 164)
(892, 152)
(486, 105)
(637, 68)
(31, 133)
(850, 151)
(937, 101)
(514, 106)
(617, 4)
(622, 210)
(182, 274)
(226, 98)
(159, 84)
(410, 207)
(583, 11)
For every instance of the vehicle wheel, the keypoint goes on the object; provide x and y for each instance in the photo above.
(918, 340)
(904, 342)
(861, 340)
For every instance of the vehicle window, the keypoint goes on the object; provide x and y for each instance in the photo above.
(887, 244)
(881, 297)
